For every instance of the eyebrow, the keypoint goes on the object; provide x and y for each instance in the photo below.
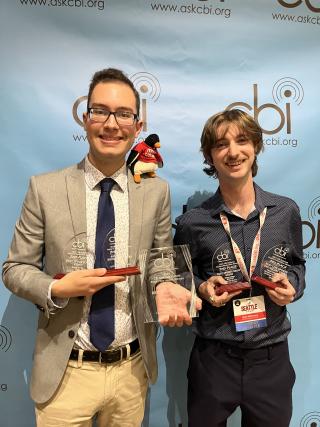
(98, 105)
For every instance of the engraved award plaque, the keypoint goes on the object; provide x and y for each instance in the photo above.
(76, 251)
(172, 264)
(224, 264)
(276, 260)
(116, 257)
(74, 255)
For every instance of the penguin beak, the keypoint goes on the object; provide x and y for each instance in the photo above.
(157, 144)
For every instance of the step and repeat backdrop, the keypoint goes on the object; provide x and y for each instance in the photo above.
(188, 60)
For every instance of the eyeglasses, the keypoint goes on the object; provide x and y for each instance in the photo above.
(122, 117)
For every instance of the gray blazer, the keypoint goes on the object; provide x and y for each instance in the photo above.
(54, 211)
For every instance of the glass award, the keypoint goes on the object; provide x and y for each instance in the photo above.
(276, 260)
(77, 253)
(170, 264)
(224, 264)
(116, 257)
(74, 255)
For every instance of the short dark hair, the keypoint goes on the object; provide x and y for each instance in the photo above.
(239, 118)
(112, 75)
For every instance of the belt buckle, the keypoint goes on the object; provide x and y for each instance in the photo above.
(113, 352)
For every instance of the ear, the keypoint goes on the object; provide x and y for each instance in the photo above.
(85, 119)
(138, 125)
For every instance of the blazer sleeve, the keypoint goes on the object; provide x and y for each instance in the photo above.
(23, 271)
(162, 239)
(163, 229)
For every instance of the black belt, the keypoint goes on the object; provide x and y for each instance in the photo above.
(109, 356)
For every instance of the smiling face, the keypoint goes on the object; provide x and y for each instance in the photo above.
(233, 154)
(109, 143)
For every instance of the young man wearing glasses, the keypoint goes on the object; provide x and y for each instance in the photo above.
(94, 354)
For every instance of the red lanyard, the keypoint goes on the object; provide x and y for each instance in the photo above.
(255, 246)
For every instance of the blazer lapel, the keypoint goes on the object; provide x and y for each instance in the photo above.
(77, 199)
(77, 203)
(136, 201)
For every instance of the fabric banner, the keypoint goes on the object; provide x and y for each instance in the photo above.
(188, 60)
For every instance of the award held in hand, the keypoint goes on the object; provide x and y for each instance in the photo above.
(76, 252)
(276, 260)
(225, 264)
(172, 265)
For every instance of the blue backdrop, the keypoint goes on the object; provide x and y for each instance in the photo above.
(188, 59)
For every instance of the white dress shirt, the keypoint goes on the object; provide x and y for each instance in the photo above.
(125, 330)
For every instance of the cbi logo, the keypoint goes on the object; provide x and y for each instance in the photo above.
(312, 419)
(285, 90)
(281, 252)
(296, 3)
(76, 107)
(5, 338)
(78, 244)
(166, 260)
(223, 255)
(311, 230)
(149, 89)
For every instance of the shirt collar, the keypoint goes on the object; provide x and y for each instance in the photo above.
(93, 176)
(215, 204)
(264, 198)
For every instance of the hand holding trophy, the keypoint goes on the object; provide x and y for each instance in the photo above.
(76, 280)
(168, 286)
(273, 274)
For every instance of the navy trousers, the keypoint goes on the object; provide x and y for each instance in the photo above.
(222, 378)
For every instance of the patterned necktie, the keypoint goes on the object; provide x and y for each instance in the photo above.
(101, 316)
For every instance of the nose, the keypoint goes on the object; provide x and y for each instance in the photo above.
(233, 150)
(111, 122)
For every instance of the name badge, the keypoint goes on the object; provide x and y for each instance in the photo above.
(249, 313)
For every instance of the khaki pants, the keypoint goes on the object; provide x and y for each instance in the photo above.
(114, 392)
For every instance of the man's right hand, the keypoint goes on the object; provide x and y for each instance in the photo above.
(172, 300)
(83, 283)
(207, 291)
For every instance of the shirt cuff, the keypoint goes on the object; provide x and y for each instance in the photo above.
(197, 281)
(54, 302)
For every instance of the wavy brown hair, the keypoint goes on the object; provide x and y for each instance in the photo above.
(243, 121)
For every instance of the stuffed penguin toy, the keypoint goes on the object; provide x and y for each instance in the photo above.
(144, 158)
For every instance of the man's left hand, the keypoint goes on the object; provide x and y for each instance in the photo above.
(284, 294)
(172, 300)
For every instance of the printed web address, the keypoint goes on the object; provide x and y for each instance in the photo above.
(307, 19)
(191, 8)
(289, 142)
(99, 4)
(79, 138)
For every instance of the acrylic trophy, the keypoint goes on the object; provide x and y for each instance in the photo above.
(116, 256)
(276, 260)
(76, 254)
(170, 264)
(224, 264)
